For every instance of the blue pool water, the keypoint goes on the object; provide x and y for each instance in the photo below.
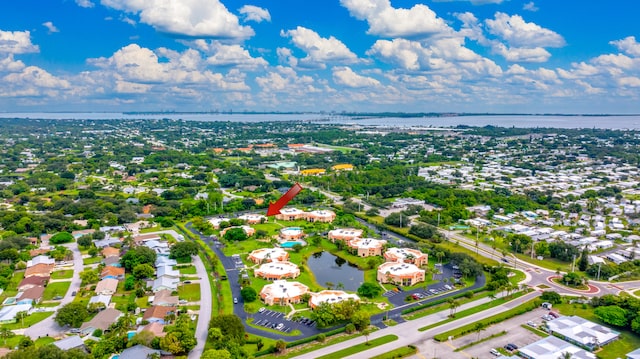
(289, 244)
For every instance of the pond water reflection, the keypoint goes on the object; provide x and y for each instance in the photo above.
(328, 268)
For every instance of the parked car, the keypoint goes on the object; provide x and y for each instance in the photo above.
(494, 352)
(532, 324)
(235, 300)
(262, 309)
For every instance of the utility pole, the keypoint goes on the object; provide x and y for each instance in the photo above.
(599, 265)
(573, 263)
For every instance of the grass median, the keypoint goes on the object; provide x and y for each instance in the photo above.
(360, 347)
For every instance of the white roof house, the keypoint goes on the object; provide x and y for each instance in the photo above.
(165, 283)
(283, 292)
(277, 270)
(582, 332)
(8, 313)
(331, 297)
(104, 299)
(40, 259)
(268, 254)
(552, 348)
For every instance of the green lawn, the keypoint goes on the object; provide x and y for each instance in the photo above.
(12, 287)
(91, 260)
(473, 310)
(628, 341)
(360, 347)
(62, 274)
(30, 320)
(142, 302)
(401, 352)
(189, 292)
(187, 270)
(55, 289)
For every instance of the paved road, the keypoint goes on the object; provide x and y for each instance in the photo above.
(202, 327)
(536, 275)
(49, 327)
(408, 331)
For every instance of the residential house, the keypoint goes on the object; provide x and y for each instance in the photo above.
(169, 272)
(101, 298)
(72, 342)
(367, 247)
(164, 283)
(32, 295)
(40, 259)
(8, 313)
(111, 261)
(406, 255)
(112, 272)
(110, 252)
(138, 351)
(107, 242)
(400, 273)
(154, 327)
(164, 298)
(102, 321)
(41, 269)
(331, 297)
(107, 286)
(157, 314)
(165, 261)
(33, 281)
(282, 292)
(141, 238)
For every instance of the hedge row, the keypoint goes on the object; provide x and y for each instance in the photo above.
(471, 327)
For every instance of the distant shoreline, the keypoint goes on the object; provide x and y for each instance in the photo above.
(381, 120)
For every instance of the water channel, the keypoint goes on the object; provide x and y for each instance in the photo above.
(328, 268)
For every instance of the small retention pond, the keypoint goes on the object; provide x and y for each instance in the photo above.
(328, 268)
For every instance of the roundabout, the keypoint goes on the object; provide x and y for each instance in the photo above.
(592, 289)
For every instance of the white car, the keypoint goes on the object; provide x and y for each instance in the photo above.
(262, 309)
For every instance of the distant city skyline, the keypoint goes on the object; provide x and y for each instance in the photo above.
(497, 56)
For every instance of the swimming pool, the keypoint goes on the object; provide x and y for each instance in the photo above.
(290, 244)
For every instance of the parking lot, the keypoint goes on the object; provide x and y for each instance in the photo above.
(277, 321)
(516, 334)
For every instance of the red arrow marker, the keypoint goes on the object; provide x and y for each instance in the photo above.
(274, 208)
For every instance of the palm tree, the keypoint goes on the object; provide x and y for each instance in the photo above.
(453, 304)
(565, 355)
(439, 255)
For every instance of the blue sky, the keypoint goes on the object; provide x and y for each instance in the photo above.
(545, 56)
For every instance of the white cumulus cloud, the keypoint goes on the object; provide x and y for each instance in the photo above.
(385, 20)
(319, 50)
(16, 42)
(347, 77)
(254, 13)
(50, 26)
(628, 45)
(194, 18)
(233, 55)
(519, 33)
